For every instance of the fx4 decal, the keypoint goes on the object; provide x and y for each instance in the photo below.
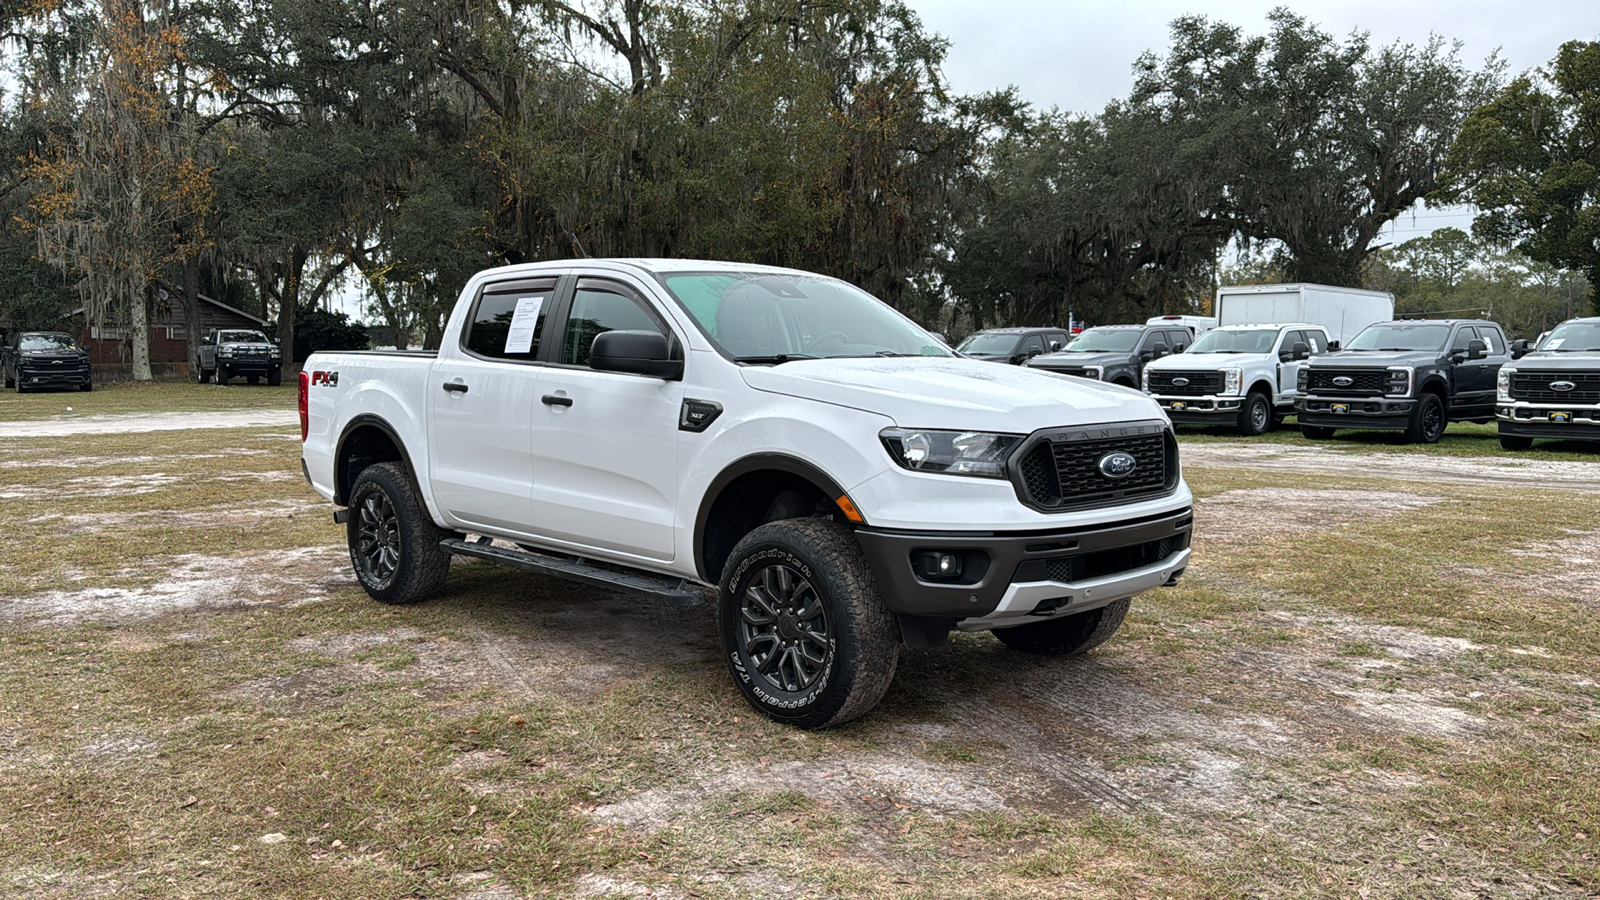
(331, 379)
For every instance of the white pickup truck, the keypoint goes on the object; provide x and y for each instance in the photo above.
(847, 481)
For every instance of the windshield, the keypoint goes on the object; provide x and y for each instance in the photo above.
(1574, 337)
(1105, 340)
(989, 343)
(1401, 336)
(1255, 340)
(241, 337)
(48, 342)
(764, 317)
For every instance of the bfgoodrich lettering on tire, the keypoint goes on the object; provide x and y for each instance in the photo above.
(394, 545)
(805, 634)
(1067, 635)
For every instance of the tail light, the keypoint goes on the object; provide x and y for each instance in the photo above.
(305, 411)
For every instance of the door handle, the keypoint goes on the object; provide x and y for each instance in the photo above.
(553, 400)
(455, 387)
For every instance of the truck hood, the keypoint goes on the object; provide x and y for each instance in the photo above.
(1375, 359)
(1077, 360)
(919, 392)
(1207, 362)
(1556, 361)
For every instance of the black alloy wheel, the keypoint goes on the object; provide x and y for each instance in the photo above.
(378, 538)
(1427, 420)
(784, 630)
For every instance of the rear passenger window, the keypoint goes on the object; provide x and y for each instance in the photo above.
(1058, 339)
(1317, 341)
(508, 319)
(597, 307)
(1491, 338)
(1179, 340)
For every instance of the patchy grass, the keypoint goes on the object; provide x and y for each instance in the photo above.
(136, 397)
(1460, 439)
(1396, 699)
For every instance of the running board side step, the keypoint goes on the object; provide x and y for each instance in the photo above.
(677, 592)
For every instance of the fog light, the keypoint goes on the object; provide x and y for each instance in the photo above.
(941, 566)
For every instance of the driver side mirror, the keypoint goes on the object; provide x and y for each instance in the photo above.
(635, 352)
(1332, 346)
(1030, 353)
(1300, 350)
(1055, 346)
(1519, 349)
(1477, 349)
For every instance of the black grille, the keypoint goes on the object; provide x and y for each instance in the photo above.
(1058, 474)
(1100, 564)
(1062, 370)
(1198, 383)
(1363, 382)
(1536, 386)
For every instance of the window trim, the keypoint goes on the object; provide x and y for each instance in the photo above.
(509, 286)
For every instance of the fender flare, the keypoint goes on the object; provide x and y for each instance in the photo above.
(366, 420)
(754, 463)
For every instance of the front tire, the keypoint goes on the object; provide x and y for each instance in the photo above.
(806, 636)
(1067, 635)
(1513, 442)
(1427, 420)
(202, 375)
(1317, 432)
(86, 386)
(1255, 416)
(221, 375)
(275, 377)
(394, 544)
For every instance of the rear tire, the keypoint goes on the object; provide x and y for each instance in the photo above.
(10, 382)
(394, 543)
(1317, 432)
(1513, 442)
(807, 638)
(1255, 416)
(1067, 635)
(1427, 420)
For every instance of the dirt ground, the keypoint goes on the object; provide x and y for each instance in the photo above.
(1377, 679)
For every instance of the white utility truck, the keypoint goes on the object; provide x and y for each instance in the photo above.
(1243, 373)
(847, 480)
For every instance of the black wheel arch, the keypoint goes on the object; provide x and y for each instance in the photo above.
(367, 439)
(747, 494)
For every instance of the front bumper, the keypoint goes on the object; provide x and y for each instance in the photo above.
(53, 377)
(1206, 410)
(249, 365)
(1011, 577)
(1368, 413)
(1534, 420)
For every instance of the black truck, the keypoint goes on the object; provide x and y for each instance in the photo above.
(1012, 345)
(40, 359)
(1413, 376)
(1115, 353)
(228, 352)
(1553, 392)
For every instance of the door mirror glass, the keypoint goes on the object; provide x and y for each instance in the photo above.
(1519, 349)
(635, 352)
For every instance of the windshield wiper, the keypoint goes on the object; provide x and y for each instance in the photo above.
(777, 359)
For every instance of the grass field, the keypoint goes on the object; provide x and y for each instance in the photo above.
(1365, 686)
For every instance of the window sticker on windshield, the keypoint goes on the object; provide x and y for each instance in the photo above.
(524, 325)
(1555, 344)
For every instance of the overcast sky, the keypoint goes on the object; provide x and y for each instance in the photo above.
(1079, 56)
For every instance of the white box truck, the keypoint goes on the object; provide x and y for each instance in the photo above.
(1343, 312)
(1244, 372)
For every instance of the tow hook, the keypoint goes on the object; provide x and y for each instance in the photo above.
(1173, 581)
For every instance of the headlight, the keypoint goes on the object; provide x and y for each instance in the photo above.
(1303, 379)
(1231, 380)
(274, 352)
(974, 453)
(1092, 372)
(1144, 380)
(1399, 383)
(225, 351)
(1502, 384)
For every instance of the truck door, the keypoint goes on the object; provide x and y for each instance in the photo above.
(605, 443)
(481, 402)
(1289, 370)
(1475, 378)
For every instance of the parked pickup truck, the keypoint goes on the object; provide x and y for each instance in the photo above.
(39, 359)
(1555, 391)
(1115, 353)
(1239, 375)
(230, 352)
(1412, 376)
(846, 481)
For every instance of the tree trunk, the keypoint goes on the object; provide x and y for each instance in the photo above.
(191, 316)
(139, 336)
(288, 302)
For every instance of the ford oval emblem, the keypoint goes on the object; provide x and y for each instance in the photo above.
(1117, 464)
(1562, 386)
(1344, 381)
(1179, 382)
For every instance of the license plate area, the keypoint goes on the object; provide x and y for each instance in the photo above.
(1178, 406)
(1341, 409)
(1561, 418)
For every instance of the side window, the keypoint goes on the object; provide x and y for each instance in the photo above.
(1034, 344)
(1491, 337)
(508, 318)
(1155, 340)
(1058, 339)
(599, 306)
(1178, 340)
(1463, 335)
(1317, 341)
